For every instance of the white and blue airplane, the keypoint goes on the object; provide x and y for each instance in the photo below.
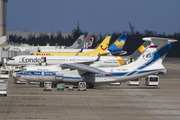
(149, 62)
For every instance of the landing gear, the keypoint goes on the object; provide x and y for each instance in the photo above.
(15, 81)
(41, 84)
(91, 86)
(54, 85)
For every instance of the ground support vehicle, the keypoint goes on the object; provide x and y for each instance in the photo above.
(70, 88)
(135, 82)
(152, 80)
(60, 87)
(3, 87)
(82, 86)
(47, 86)
(4, 73)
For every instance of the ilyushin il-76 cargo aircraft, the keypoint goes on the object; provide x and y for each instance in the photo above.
(149, 62)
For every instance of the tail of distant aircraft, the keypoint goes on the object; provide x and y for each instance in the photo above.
(91, 42)
(140, 50)
(134, 56)
(87, 42)
(118, 45)
(102, 49)
(150, 60)
(77, 42)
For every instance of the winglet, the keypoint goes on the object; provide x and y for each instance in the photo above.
(99, 55)
(79, 51)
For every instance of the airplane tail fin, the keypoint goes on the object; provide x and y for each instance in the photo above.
(91, 42)
(85, 42)
(77, 42)
(102, 49)
(118, 45)
(140, 50)
(151, 59)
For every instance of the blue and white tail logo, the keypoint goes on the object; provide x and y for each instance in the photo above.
(147, 55)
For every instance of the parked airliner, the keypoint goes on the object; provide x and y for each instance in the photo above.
(117, 46)
(104, 61)
(149, 62)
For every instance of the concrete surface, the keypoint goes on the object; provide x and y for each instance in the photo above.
(27, 101)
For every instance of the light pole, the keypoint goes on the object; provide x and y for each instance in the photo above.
(5, 17)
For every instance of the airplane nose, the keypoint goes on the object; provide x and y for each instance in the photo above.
(14, 74)
(8, 62)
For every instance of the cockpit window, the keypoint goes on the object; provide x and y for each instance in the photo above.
(11, 59)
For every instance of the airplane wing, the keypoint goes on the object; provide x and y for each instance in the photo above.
(85, 63)
(82, 68)
(88, 62)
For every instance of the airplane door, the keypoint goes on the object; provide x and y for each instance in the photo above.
(20, 59)
(43, 59)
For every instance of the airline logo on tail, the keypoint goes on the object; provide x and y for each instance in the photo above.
(90, 42)
(105, 47)
(102, 48)
(119, 44)
(79, 41)
(147, 55)
(142, 48)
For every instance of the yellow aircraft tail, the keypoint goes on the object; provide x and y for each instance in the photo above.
(101, 49)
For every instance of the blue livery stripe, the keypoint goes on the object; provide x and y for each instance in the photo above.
(131, 73)
(146, 71)
(71, 77)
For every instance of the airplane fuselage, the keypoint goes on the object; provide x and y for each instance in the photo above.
(105, 61)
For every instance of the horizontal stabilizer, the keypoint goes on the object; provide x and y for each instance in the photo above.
(156, 38)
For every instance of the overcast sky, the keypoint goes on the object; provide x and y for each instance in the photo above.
(94, 16)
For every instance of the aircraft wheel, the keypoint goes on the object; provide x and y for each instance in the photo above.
(91, 86)
(15, 81)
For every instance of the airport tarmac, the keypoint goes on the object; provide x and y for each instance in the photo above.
(27, 101)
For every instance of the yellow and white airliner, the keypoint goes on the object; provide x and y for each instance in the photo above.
(102, 49)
